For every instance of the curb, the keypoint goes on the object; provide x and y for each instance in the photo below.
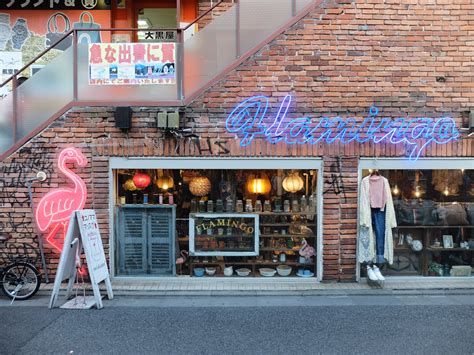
(269, 293)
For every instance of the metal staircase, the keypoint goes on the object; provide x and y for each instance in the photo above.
(202, 60)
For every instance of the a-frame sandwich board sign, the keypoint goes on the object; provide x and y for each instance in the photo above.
(82, 234)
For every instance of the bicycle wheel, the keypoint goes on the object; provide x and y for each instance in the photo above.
(20, 281)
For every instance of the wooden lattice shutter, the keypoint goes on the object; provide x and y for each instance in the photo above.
(132, 241)
(161, 227)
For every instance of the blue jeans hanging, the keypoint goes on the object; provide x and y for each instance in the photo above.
(378, 226)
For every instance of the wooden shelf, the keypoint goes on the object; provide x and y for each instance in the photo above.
(448, 249)
(236, 250)
(432, 227)
(224, 236)
(287, 236)
(278, 249)
(264, 213)
(403, 250)
(256, 263)
(274, 224)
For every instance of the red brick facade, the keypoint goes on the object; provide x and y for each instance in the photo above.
(411, 58)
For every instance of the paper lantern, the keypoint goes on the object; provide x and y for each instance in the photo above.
(293, 183)
(259, 184)
(129, 185)
(165, 182)
(141, 180)
(200, 186)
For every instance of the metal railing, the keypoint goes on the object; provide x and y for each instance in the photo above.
(202, 59)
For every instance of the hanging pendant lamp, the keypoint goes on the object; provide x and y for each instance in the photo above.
(293, 182)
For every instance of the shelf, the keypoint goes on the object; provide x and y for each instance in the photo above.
(274, 224)
(403, 250)
(234, 250)
(279, 249)
(224, 236)
(264, 213)
(256, 263)
(432, 227)
(287, 236)
(448, 249)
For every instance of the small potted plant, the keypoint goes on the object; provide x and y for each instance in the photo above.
(435, 269)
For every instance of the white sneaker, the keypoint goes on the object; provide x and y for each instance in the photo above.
(371, 275)
(377, 273)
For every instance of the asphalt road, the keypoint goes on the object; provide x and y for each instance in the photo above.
(244, 325)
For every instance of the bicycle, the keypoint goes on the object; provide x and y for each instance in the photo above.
(20, 279)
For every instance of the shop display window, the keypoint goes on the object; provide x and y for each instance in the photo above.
(227, 222)
(435, 216)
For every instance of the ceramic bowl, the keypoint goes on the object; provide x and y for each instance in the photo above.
(243, 272)
(267, 272)
(210, 271)
(284, 270)
(199, 271)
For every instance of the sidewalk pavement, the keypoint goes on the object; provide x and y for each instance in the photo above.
(187, 286)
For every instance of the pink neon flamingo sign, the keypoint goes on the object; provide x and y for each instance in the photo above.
(55, 208)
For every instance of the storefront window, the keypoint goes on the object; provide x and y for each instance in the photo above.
(434, 210)
(216, 222)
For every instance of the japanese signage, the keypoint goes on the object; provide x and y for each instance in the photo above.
(55, 5)
(249, 121)
(92, 242)
(132, 63)
(82, 235)
(153, 36)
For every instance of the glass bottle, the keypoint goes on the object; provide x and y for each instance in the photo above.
(229, 205)
(267, 207)
(219, 206)
(312, 204)
(304, 204)
(258, 206)
(239, 206)
(278, 204)
(202, 206)
(248, 205)
(295, 207)
(210, 206)
(286, 206)
(194, 206)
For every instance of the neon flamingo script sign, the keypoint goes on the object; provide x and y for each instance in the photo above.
(248, 121)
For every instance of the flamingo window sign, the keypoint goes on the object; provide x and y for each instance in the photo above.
(55, 208)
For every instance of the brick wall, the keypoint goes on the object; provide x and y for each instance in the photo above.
(205, 5)
(409, 57)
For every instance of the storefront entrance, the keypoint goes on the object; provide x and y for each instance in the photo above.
(216, 217)
(433, 200)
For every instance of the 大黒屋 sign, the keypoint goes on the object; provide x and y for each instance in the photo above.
(55, 5)
(132, 63)
(249, 120)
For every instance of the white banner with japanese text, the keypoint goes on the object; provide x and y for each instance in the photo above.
(132, 63)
